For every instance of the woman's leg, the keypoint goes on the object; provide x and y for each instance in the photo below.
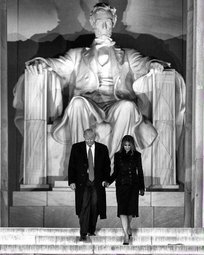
(124, 223)
(129, 225)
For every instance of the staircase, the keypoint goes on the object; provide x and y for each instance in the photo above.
(165, 241)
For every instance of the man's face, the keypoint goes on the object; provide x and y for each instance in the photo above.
(89, 138)
(103, 24)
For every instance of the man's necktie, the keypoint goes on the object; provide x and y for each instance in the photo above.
(91, 166)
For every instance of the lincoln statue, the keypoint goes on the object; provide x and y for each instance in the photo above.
(102, 80)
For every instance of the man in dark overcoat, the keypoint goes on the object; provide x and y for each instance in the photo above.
(88, 175)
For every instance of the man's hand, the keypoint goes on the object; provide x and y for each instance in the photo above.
(73, 186)
(141, 192)
(105, 184)
(36, 66)
(157, 67)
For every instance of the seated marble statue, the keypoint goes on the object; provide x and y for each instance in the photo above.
(101, 79)
(104, 83)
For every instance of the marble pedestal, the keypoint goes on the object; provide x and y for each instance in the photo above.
(56, 209)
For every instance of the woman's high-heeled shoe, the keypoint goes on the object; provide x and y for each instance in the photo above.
(126, 240)
(130, 232)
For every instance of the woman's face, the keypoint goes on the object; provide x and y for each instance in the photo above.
(127, 146)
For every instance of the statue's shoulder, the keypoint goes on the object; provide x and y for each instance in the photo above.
(129, 51)
(75, 54)
(131, 54)
(73, 51)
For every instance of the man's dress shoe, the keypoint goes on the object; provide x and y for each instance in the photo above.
(82, 238)
(92, 234)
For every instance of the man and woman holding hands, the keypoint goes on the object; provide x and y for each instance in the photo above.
(89, 174)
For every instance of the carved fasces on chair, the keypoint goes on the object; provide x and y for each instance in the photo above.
(164, 147)
(161, 98)
(35, 128)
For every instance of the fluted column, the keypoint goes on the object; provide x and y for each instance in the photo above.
(164, 147)
(35, 130)
(188, 124)
(194, 178)
(4, 117)
(198, 111)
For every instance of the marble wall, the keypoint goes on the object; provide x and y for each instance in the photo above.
(56, 209)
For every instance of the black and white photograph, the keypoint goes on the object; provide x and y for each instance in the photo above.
(102, 127)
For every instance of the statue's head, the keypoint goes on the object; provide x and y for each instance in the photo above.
(103, 18)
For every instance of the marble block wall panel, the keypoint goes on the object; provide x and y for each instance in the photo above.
(168, 217)
(145, 219)
(61, 198)
(57, 216)
(156, 209)
(112, 220)
(27, 198)
(61, 217)
(67, 198)
(111, 197)
(171, 199)
(29, 216)
(58, 159)
(145, 200)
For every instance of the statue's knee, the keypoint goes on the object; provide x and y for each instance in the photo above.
(127, 106)
(78, 103)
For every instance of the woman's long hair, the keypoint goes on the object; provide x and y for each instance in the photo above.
(129, 139)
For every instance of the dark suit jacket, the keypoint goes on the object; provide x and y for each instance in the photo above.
(128, 170)
(77, 173)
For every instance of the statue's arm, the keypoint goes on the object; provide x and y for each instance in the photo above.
(141, 65)
(63, 65)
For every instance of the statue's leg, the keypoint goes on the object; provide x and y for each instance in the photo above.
(123, 116)
(82, 114)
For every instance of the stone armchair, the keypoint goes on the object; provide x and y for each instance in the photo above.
(38, 99)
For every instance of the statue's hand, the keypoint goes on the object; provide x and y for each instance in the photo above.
(73, 186)
(157, 67)
(36, 66)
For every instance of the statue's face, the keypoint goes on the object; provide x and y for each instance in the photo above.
(103, 27)
(103, 24)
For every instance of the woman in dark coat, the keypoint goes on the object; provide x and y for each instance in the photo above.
(129, 178)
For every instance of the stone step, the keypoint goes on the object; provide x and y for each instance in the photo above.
(56, 241)
(99, 240)
(100, 249)
(163, 232)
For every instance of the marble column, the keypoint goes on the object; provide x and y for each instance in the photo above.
(35, 131)
(198, 110)
(188, 124)
(4, 117)
(194, 204)
(164, 147)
